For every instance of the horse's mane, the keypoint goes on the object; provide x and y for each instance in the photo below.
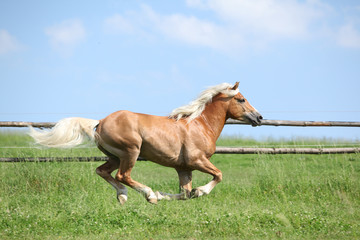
(196, 107)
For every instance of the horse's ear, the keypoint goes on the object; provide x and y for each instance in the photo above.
(235, 86)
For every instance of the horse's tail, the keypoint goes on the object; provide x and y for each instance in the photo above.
(67, 132)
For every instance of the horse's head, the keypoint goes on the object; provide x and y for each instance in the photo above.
(240, 109)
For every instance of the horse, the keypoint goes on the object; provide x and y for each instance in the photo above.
(185, 140)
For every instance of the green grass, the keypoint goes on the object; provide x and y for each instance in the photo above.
(260, 197)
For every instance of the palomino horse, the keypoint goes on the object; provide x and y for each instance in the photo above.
(185, 140)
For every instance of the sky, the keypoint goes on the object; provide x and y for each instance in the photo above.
(295, 60)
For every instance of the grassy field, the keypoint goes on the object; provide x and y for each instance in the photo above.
(261, 197)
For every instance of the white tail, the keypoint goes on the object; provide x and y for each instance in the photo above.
(67, 132)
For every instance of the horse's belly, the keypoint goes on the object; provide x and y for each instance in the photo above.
(164, 153)
(162, 140)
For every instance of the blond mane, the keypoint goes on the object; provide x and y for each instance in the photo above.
(196, 107)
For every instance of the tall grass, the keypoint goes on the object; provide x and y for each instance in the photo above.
(260, 197)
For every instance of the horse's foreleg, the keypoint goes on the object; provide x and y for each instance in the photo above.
(185, 181)
(206, 166)
(105, 171)
(123, 175)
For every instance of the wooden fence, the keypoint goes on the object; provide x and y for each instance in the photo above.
(264, 122)
(219, 150)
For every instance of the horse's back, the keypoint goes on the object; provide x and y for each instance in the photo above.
(118, 128)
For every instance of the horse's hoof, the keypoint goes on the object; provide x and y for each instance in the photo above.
(195, 193)
(122, 199)
(152, 200)
(159, 196)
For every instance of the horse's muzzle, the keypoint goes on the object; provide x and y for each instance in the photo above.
(254, 118)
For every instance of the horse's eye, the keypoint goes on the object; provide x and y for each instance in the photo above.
(241, 100)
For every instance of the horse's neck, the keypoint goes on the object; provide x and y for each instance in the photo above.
(214, 117)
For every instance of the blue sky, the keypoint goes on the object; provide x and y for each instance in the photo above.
(295, 60)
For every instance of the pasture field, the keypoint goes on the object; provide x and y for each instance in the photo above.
(260, 197)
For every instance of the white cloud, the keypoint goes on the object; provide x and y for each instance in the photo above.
(348, 36)
(269, 18)
(238, 24)
(65, 36)
(197, 3)
(245, 23)
(118, 24)
(8, 43)
(186, 29)
(190, 30)
(194, 31)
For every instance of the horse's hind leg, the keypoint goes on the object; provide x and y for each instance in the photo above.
(128, 160)
(105, 171)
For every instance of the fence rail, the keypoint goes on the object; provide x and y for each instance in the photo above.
(244, 150)
(27, 124)
(219, 150)
(265, 122)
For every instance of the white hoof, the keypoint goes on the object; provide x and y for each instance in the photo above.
(196, 192)
(161, 196)
(122, 198)
(152, 198)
